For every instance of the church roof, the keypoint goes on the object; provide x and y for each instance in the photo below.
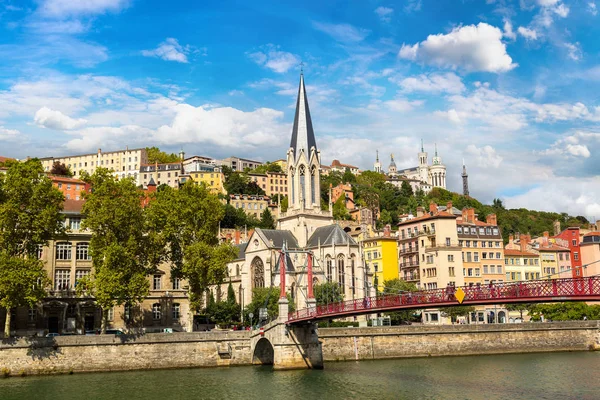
(278, 237)
(303, 136)
(330, 235)
(241, 250)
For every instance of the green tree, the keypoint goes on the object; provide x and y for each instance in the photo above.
(340, 212)
(398, 287)
(267, 167)
(122, 254)
(328, 292)
(268, 298)
(230, 293)
(30, 215)
(458, 311)
(348, 176)
(185, 223)
(521, 307)
(155, 155)
(266, 219)
(60, 169)
(223, 312)
(406, 190)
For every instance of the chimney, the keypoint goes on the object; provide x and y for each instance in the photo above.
(511, 241)
(468, 214)
(387, 231)
(491, 219)
(420, 212)
(556, 227)
(237, 236)
(546, 237)
(432, 207)
(524, 241)
(449, 207)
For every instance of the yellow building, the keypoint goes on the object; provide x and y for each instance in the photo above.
(214, 180)
(273, 183)
(381, 255)
(252, 204)
(521, 265)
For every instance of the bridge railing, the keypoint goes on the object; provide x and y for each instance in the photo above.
(502, 292)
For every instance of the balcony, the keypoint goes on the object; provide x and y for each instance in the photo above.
(410, 264)
(408, 236)
(442, 247)
(411, 277)
(427, 232)
(409, 250)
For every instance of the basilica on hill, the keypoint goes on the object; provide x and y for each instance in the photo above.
(303, 228)
(423, 176)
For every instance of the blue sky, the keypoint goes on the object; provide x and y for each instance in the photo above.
(511, 87)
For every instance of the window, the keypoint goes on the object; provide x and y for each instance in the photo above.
(63, 251)
(473, 231)
(156, 314)
(481, 231)
(499, 269)
(31, 315)
(470, 272)
(451, 271)
(576, 256)
(110, 314)
(156, 282)
(485, 269)
(574, 242)
(474, 243)
(177, 283)
(82, 251)
(468, 256)
(175, 310)
(459, 229)
(447, 241)
(62, 279)
(476, 257)
(477, 272)
(482, 244)
(498, 256)
(467, 243)
(450, 257)
(40, 251)
(484, 254)
(81, 273)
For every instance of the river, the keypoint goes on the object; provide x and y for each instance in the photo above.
(515, 376)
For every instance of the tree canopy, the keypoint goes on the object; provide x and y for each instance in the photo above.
(30, 215)
(60, 169)
(267, 167)
(328, 292)
(268, 298)
(155, 155)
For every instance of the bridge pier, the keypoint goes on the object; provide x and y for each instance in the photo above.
(287, 346)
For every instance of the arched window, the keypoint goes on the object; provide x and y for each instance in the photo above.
(313, 185)
(237, 270)
(83, 251)
(302, 173)
(258, 273)
(353, 274)
(329, 265)
(341, 270)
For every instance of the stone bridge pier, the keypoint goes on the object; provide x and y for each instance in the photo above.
(286, 346)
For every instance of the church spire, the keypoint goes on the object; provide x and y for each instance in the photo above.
(436, 149)
(303, 136)
(422, 147)
(377, 157)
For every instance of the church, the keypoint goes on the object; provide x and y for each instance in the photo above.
(423, 176)
(303, 227)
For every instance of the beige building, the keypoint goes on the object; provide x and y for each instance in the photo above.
(273, 183)
(124, 163)
(239, 164)
(252, 204)
(590, 253)
(337, 166)
(167, 174)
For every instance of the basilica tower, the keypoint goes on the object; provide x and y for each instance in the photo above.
(423, 168)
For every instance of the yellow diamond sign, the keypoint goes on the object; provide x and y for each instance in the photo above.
(460, 295)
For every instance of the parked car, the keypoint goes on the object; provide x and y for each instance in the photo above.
(114, 332)
(52, 334)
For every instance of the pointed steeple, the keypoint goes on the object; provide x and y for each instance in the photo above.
(303, 136)
(422, 147)
(377, 158)
(436, 149)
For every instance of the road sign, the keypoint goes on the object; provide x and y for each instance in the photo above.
(262, 313)
(460, 295)
(250, 315)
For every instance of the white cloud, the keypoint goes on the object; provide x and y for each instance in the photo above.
(276, 60)
(574, 51)
(403, 105)
(66, 8)
(573, 146)
(472, 48)
(592, 9)
(561, 10)
(412, 6)
(54, 119)
(384, 13)
(508, 30)
(236, 92)
(547, 3)
(169, 50)
(529, 34)
(433, 83)
(484, 157)
(8, 134)
(342, 32)
(451, 115)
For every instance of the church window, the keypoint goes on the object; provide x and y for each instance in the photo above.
(329, 265)
(293, 185)
(341, 271)
(258, 273)
(313, 184)
(302, 172)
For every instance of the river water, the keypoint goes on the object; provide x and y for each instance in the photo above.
(520, 376)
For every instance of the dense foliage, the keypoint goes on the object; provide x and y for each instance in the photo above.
(265, 298)
(328, 292)
(399, 286)
(155, 155)
(224, 312)
(60, 169)
(29, 216)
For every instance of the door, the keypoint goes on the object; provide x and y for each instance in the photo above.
(53, 324)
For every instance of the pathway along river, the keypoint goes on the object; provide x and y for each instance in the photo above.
(520, 376)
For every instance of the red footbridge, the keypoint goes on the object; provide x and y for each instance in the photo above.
(539, 291)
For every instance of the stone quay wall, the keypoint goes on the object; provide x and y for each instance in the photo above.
(67, 354)
(451, 340)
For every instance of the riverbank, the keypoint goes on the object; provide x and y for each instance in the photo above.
(72, 354)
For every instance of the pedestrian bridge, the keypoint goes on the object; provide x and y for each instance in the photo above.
(539, 291)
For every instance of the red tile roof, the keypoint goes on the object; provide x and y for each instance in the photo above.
(65, 179)
(511, 252)
(73, 206)
(439, 214)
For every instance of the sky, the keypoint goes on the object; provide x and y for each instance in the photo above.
(510, 87)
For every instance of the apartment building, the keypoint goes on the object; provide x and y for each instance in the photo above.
(381, 257)
(198, 163)
(253, 205)
(273, 183)
(162, 174)
(521, 265)
(71, 188)
(337, 166)
(482, 250)
(240, 164)
(214, 179)
(123, 163)
(590, 253)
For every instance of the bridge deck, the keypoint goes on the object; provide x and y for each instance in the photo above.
(540, 291)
